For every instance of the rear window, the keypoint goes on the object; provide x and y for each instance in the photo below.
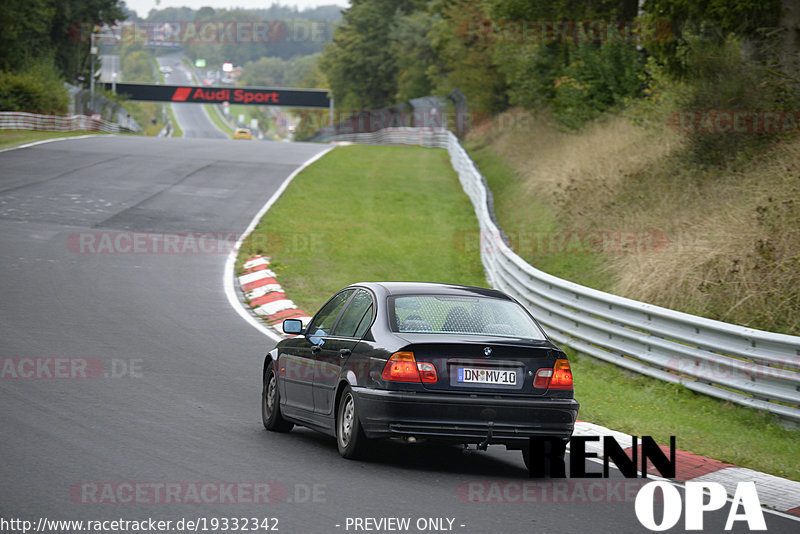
(445, 314)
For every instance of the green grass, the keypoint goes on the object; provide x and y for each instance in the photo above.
(157, 69)
(12, 138)
(369, 214)
(640, 405)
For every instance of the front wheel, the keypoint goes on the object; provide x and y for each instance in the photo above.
(350, 437)
(270, 403)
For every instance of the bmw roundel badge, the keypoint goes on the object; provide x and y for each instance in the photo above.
(487, 351)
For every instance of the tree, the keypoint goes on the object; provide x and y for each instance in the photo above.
(70, 48)
(267, 71)
(359, 63)
(413, 50)
(24, 32)
(465, 58)
(580, 73)
(52, 34)
(715, 20)
(743, 17)
(556, 10)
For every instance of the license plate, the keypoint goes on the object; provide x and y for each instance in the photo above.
(487, 376)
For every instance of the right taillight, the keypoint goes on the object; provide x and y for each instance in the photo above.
(562, 375)
(559, 377)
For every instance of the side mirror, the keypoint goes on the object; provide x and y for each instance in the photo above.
(292, 326)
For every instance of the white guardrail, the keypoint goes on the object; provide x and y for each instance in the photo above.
(17, 120)
(742, 365)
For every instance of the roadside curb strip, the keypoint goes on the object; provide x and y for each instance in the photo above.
(266, 297)
(774, 492)
(229, 275)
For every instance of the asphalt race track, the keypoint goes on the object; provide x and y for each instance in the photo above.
(166, 423)
(192, 117)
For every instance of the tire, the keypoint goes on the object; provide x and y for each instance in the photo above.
(555, 448)
(350, 436)
(271, 403)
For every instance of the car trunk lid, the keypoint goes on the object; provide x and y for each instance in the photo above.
(485, 365)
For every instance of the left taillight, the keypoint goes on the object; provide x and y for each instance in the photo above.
(557, 377)
(403, 367)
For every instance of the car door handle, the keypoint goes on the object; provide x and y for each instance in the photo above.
(315, 349)
(344, 353)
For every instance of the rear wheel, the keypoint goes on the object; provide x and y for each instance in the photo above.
(544, 458)
(270, 403)
(350, 437)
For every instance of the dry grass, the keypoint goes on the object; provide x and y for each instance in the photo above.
(733, 233)
(735, 244)
(550, 159)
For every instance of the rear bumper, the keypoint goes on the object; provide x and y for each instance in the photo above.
(463, 418)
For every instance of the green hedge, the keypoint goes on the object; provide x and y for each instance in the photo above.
(36, 90)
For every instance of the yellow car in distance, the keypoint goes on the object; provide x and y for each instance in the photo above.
(242, 133)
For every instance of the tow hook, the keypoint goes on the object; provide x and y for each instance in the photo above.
(485, 443)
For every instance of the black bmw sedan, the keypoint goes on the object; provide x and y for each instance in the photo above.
(421, 361)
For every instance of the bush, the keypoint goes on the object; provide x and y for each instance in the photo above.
(37, 90)
(723, 78)
(137, 67)
(593, 80)
(530, 69)
(596, 80)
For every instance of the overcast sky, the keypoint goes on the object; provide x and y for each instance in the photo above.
(143, 7)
